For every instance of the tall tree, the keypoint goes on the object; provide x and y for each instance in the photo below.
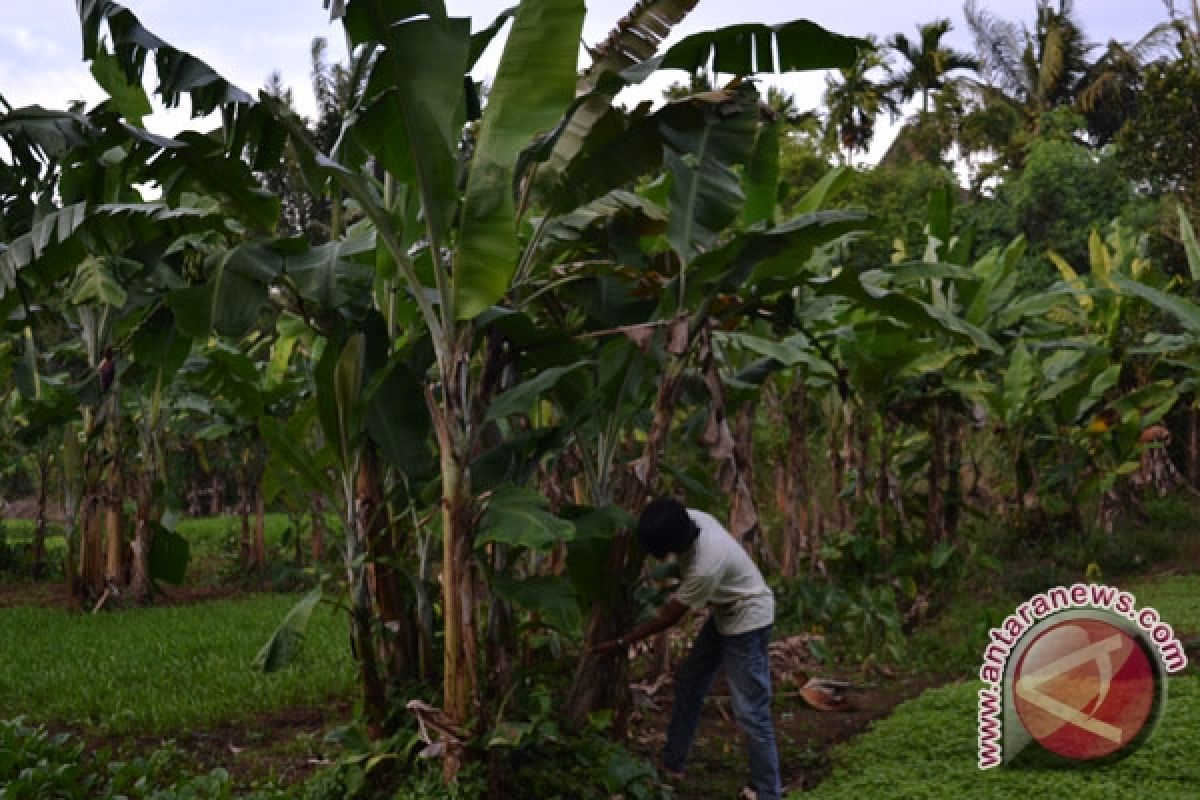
(926, 63)
(855, 99)
(1027, 73)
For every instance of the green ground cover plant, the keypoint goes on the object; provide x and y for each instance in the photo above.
(163, 670)
(927, 747)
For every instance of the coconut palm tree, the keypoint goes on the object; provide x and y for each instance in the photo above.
(1028, 73)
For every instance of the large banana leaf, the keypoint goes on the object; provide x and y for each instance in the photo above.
(416, 98)
(534, 84)
(774, 260)
(179, 73)
(521, 518)
(755, 48)
(634, 39)
(337, 275)
(1183, 310)
(704, 140)
(285, 643)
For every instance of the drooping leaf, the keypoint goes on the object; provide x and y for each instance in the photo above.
(534, 84)
(127, 97)
(95, 283)
(398, 419)
(179, 73)
(1184, 311)
(518, 399)
(285, 643)
(481, 39)
(521, 518)
(337, 275)
(550, 597)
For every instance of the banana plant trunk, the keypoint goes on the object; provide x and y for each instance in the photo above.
(396, 636)
(114, 499)
(244, 546)
(935, 511)
(91, 546)
(143, 540)
(602, 681)
(796, 514)
(954, 491)
(460, 657)
(362, 639)
(1193, 457)
(318, 528)
(39, 522)
(260, 529)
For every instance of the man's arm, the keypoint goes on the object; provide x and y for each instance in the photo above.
(670, 613)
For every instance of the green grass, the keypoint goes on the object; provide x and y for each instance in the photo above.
(162, 670)
(927, 747)
(1175, 597)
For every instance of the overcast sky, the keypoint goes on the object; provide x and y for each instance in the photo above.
(40, 56)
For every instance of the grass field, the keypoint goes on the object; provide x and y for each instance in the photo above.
(160, 670)
(927, 747)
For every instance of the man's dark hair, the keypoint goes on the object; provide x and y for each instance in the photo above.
(665, 527)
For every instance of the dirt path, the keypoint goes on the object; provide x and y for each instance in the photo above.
(284, 747)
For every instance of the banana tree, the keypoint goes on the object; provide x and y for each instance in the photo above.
(459, 253)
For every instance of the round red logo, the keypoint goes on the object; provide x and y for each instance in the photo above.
(1085, 688)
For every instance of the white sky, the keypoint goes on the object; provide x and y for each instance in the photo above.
(40, 55)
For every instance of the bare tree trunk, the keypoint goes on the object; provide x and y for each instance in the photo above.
(862, 457)
(954, 489)
(838, 473)
(935, 510)
(318, 528)
(216, 499)
(260, 529)
(884, 462)
(796, 514)
(1193, 457)
(244, 546)
(39, 523)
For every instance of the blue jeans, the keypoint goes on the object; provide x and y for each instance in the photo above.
(748, 672)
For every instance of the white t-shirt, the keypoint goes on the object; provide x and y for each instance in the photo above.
(715, 571)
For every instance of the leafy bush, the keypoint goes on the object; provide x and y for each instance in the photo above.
(35, 764)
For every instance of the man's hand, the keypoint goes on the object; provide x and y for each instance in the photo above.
(608, 648)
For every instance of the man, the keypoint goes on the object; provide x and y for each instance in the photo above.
(715, 572)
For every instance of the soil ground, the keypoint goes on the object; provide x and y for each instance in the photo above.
(718, 766)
